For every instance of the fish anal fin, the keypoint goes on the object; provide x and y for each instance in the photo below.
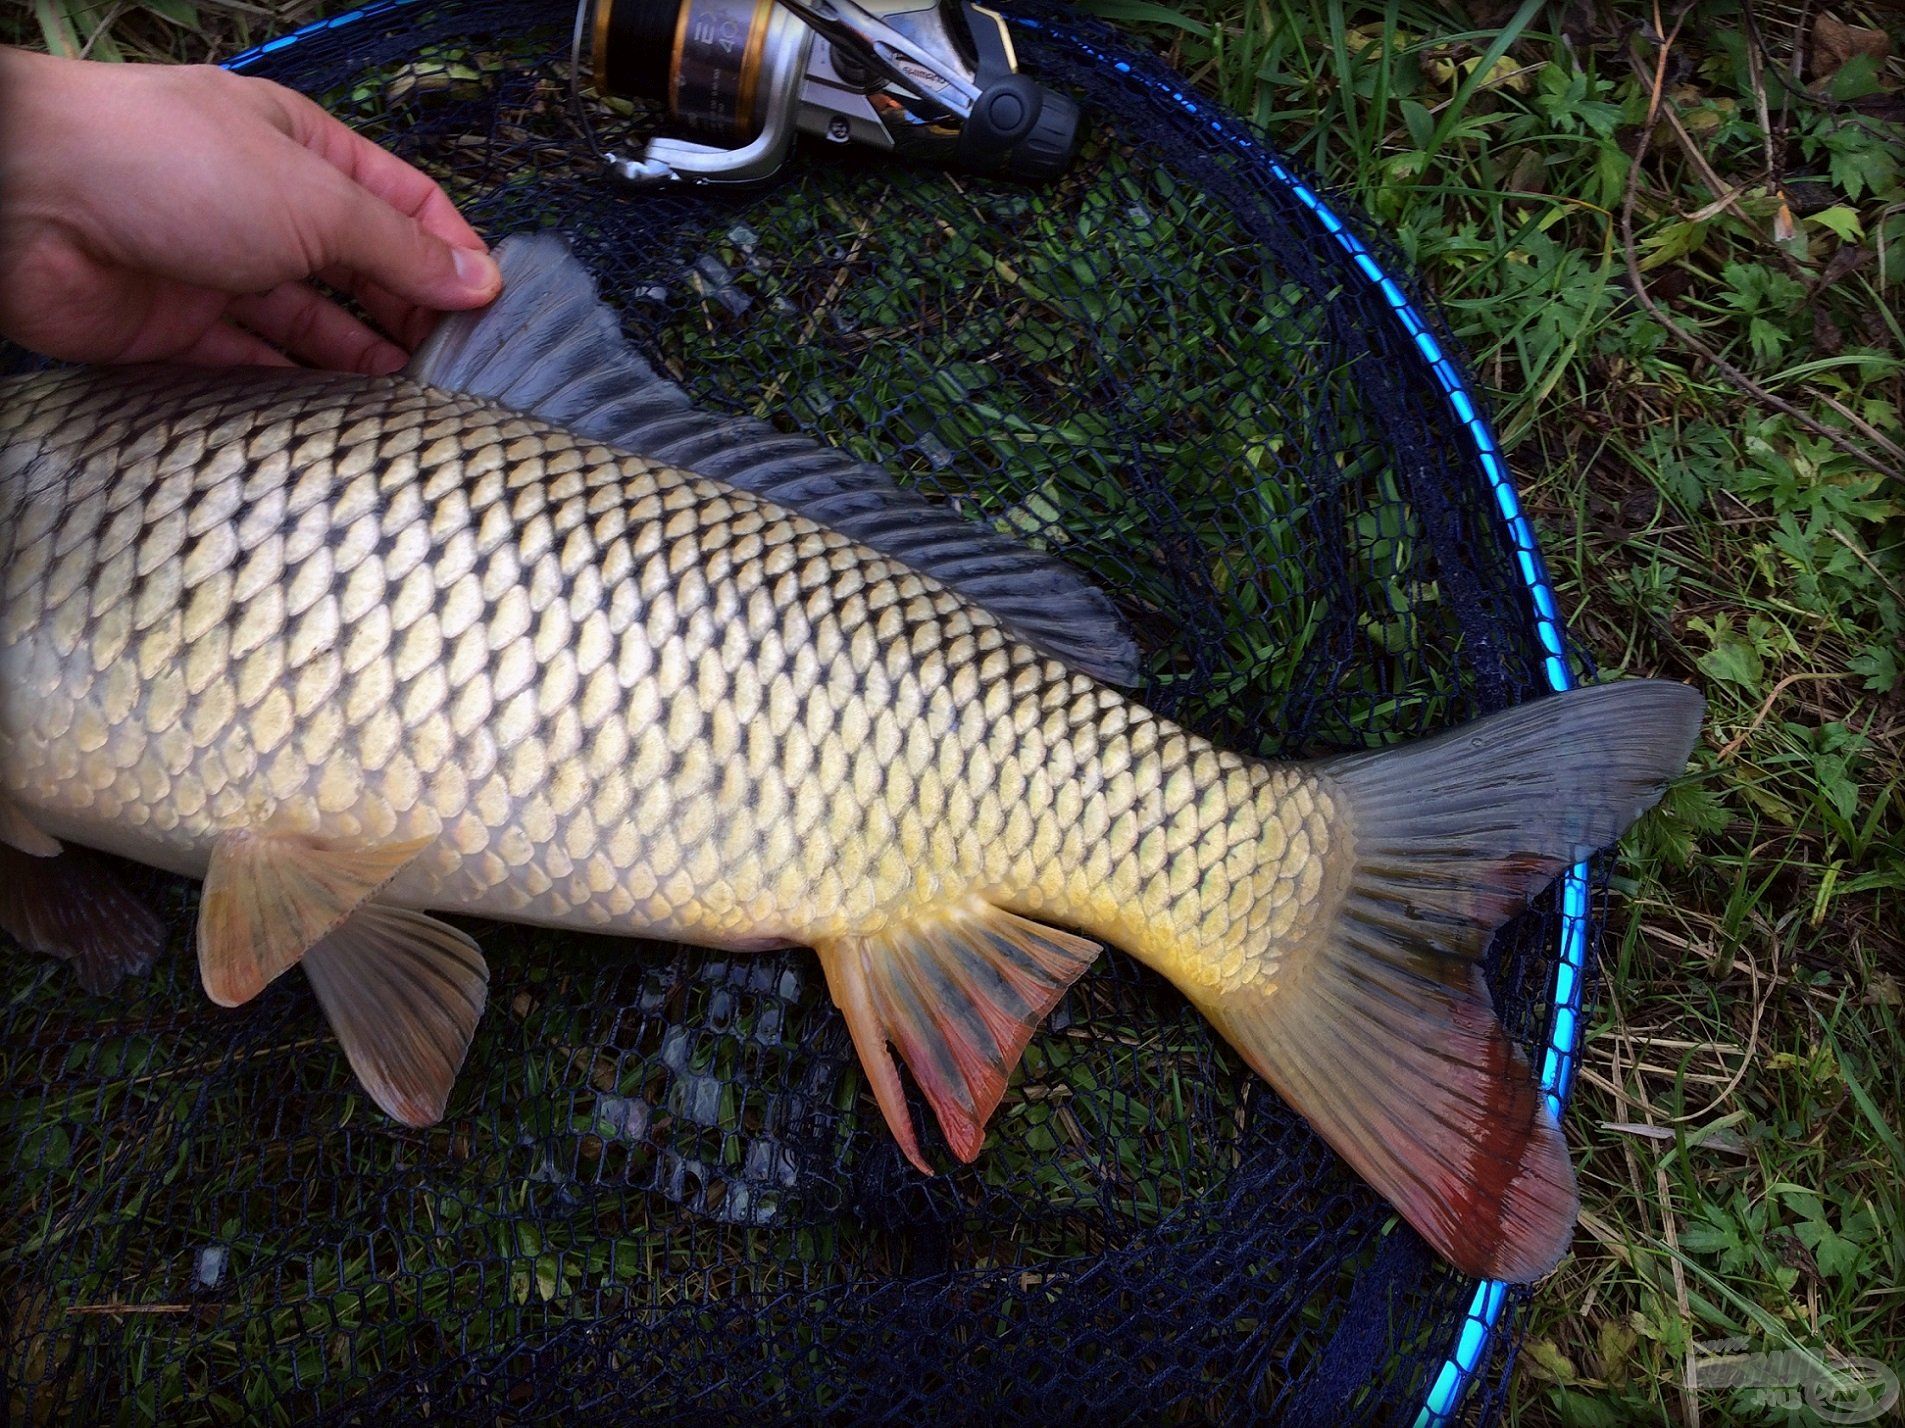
(73, 906)
(269, 896)
(403, 993)
(958, 994)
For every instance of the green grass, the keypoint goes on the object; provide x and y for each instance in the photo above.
(1737, 1122)
(182, 31)
(1750, 1018)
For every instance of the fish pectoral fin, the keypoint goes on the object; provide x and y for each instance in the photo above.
(959, 995)
(19, 831)
(72, 905)
(269, 896)
(403, 993)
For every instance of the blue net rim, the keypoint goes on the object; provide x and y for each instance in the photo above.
(1464, 1357)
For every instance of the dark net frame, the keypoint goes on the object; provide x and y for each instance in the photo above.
(659, 1189)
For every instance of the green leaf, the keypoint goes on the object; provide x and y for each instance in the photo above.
(56, 28)
(1841, 220)
(1767, 338)
(1884, 877)
(1857, 77)
(1706, 1237)
(1860, 164)
(1419, 122)
(1837, 784)
(1614, 1343)
(1836, 1255)
(1548, 1361)
(1611, 164)
(1674, 241)
(1686, 814)
(1732, 660)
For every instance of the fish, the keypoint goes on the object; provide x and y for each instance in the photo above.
(550, 346)
(359, 651)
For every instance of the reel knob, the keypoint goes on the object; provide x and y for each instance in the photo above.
(1021, 128)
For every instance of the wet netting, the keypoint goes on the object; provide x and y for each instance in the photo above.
(662, 1191)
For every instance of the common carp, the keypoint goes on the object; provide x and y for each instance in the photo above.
(354, 649)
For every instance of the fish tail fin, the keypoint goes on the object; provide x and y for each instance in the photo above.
(1381, 1031)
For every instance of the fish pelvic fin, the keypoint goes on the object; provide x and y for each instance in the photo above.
(270, 896)
(403, 993)
(19, 832)
(1379, 1028)
(550, 347)
(958, 994)
(71, 905)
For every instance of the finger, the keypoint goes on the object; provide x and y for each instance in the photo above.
(405, 322)
(405, 188)
(225, 344)
(298, 319)
(348, 226)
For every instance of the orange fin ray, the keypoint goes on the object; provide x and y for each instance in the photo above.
(1408, 1074)
(269, 897)
(959, 995)
(403, 993)
(1377, 1025)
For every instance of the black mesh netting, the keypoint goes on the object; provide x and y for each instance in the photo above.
(661, 1191)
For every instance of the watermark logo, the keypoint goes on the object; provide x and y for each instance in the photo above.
(1832, 1387)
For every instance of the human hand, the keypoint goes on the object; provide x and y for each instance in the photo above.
(154, 212)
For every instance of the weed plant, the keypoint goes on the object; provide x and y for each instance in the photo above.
(1737, 1121)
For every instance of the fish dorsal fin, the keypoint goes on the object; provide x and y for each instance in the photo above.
(71, 905)
(403, 993)
(959, 994)
(269, 896)
(550, 347)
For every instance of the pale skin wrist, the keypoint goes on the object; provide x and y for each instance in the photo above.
(172, 213)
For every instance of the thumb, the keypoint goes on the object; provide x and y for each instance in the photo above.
(365, 235)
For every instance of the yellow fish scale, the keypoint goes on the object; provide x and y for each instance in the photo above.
(617, 696)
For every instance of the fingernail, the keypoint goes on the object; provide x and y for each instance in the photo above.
(477, 271)
(385, 359)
